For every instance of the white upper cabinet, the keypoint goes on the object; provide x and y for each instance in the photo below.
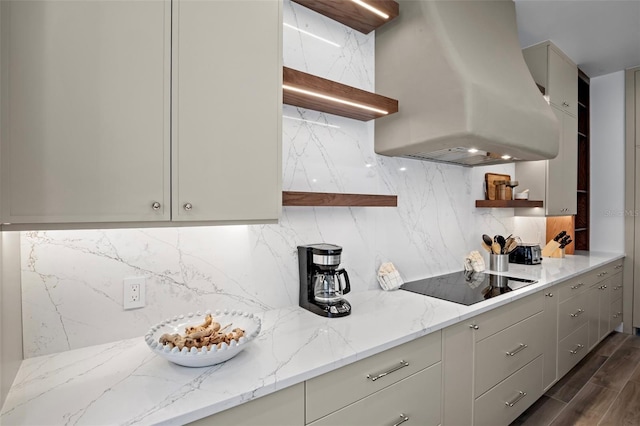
(141, 111)
(85, 111)
(227, 86)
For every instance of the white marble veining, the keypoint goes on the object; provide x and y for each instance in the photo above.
(72, 280)
(125, 383)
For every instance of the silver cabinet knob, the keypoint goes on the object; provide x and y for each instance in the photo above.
(187, 206)
(474, 326)
(156, 205)
(549, 294)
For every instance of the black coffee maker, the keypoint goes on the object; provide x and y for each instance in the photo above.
(322, 284)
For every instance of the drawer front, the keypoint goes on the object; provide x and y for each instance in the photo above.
(572, 314)
(416, 398)
(505, 402)
(491, 322)
(572, 349)
(615, 314)
(502, 354)
(339, 388)
(575, 286)
(616, 287)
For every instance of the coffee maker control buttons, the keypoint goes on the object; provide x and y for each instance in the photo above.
(333, 309)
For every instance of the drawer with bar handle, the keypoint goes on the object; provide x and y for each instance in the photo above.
(505, 352)
(414, 400)
(616, 287)
(572, 349)
(572, 314)
(507, 400)
(339, 388)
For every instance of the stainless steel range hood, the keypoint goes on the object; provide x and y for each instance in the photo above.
(465, 93)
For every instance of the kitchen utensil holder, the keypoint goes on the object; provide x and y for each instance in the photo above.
(499, 262)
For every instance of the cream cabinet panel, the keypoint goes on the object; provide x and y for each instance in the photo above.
(506, 352)
(332, 391)
(506, 401)
(227, 102)
(550, 343)
(572, 349)
(553, 181)
(282, 408)
(414, 400)
(562, 82)
(86, 115)
(554, 71)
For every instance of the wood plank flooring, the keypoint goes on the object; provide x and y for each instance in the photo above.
(603, 389)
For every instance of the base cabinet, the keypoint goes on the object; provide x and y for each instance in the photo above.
(482, 371)
(282, 408)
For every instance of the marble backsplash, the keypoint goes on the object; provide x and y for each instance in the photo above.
(72, 280)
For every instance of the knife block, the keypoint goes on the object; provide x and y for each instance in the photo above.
(551, 248)
(558, 253)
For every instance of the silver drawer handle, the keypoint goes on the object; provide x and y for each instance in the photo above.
(602, 287)
(518, 349)
(577, 313)
(618, 287)
(577, 286)
(616, 315)
(549, 294)
(577, 349)
(381, 375)
(618, 266)
(474, 326)
(403, 419)
(516, 400)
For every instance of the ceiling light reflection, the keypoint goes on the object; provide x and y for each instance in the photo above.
(310, 34)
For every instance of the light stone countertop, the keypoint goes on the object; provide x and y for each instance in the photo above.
(125, 383)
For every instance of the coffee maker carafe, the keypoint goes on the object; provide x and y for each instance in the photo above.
(322, 284)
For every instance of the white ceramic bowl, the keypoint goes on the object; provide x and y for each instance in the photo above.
(203, 357)
(521, 196)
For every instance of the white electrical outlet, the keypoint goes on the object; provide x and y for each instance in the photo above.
(134, 295)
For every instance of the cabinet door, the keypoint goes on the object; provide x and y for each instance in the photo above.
(562, 171)
(570, 163)
(227, 75)
(85, 120)
(604, 306)
(555, 192)
(563, 83)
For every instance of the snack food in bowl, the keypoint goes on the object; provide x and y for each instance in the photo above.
(201, 340)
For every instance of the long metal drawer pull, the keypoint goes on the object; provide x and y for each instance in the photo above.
(516, 400)
(577, 286)
(577, 349)
(518, 349)
(381, 375)
(577, 313)
(403, 419)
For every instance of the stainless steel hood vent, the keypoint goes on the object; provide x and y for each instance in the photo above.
(457, 70)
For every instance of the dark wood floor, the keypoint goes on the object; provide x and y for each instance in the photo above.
(603, 389)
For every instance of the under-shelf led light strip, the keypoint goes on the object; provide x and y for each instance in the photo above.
(371, 9)
(333, 99)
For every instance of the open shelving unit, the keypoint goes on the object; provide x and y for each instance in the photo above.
(332, 199)
(355, 15)
(312, 92)
(509, 203)
(584, 141)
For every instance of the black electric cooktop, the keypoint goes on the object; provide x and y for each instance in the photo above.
(466, 287)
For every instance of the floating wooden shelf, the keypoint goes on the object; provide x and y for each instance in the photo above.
(353, 15)
(330, 199)
(350, 95)
(508, 203)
